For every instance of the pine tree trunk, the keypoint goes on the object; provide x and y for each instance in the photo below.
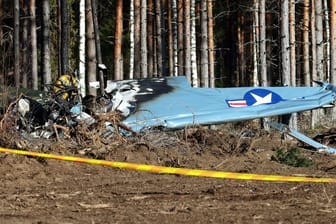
(158, 17)
(137, 52)
(174, 48)
(90, 48)
(314, 113)
(17, 43)
(292, 43)
(293, 119)
(211, 45)
(333, 48)
(98, 49)
(150, 37)
(327, 42)
(46, 67)
(155, 58)
(81, 52)
(193, 54)
(319, 40)
(204, 45)
(143, 39)
(33, 44)
(2, 78)
(1, 23)
(306, 54)
(131, 36)
(180, 37)
(333, 41)
(187, 40)
(163, 38)
(285, 54)
(170, 37)
(313, 41)
(241, 65)
(262, 51)
(26, 68)
(256, 44)
(64, 38)
(118, 41)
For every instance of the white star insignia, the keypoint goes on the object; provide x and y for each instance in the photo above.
(262, 100)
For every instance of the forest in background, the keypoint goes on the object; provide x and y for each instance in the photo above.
(213, 43)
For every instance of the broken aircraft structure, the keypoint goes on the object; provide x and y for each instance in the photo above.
(169, 103)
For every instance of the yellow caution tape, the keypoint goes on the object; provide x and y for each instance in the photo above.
(173, 170)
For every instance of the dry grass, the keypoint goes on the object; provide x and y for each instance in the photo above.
(103, 131)
(8, 132)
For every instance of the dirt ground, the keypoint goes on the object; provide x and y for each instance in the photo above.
(40, 191)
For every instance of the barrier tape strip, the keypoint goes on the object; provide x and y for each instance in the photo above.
(172, 170)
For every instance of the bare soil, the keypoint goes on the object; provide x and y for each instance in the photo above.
(34, 190)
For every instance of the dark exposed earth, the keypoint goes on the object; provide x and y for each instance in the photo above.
(35, 190)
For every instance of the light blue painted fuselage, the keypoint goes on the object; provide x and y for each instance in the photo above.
(187, 106)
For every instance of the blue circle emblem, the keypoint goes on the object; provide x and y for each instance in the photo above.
(261, 96)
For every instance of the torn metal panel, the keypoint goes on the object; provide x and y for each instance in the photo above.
(296, 134)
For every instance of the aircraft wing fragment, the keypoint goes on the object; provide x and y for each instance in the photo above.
(298, 135)
(172, 103)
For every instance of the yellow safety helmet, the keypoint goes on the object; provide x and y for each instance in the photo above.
(66, 87)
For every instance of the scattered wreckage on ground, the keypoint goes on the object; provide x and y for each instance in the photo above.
(166, 103)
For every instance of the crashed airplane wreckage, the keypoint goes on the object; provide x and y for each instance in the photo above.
(171, 103)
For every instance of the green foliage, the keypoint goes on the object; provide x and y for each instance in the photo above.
(291, 157)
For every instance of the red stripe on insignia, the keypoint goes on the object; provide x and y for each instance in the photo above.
(237, 103)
